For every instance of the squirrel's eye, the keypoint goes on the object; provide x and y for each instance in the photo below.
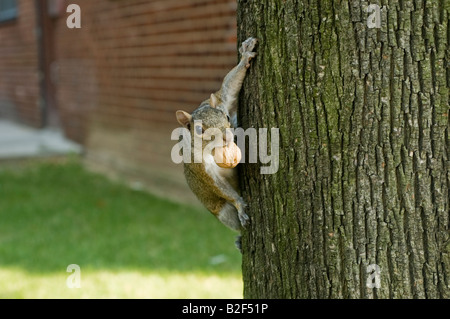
(228, 118)
(199, 130)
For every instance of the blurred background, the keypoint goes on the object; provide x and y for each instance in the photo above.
(86, 175)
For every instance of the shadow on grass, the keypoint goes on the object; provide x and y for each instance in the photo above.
(54, 215)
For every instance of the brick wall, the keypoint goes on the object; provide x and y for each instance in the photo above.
(117, 82)
(121, 77)
(19, 77)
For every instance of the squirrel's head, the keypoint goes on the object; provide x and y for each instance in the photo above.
(205, 117)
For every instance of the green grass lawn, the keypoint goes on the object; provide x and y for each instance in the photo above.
(128, 244)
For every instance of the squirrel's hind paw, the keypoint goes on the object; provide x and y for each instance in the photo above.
(238, 244)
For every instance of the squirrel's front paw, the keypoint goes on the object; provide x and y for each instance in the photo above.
(246, 50)
(243, 218)
(248, 45)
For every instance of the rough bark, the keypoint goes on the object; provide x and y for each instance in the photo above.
(364, 173)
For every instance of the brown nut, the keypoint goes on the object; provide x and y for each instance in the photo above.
(228, 156)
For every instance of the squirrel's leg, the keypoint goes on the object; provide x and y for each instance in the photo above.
(228, 193)
(232, 82)
(229, 217)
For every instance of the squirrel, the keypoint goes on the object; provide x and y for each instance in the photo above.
(216, 187)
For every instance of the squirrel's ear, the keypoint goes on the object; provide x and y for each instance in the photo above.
(184, 118)
(213, 101)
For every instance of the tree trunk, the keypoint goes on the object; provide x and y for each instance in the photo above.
(364, 176)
